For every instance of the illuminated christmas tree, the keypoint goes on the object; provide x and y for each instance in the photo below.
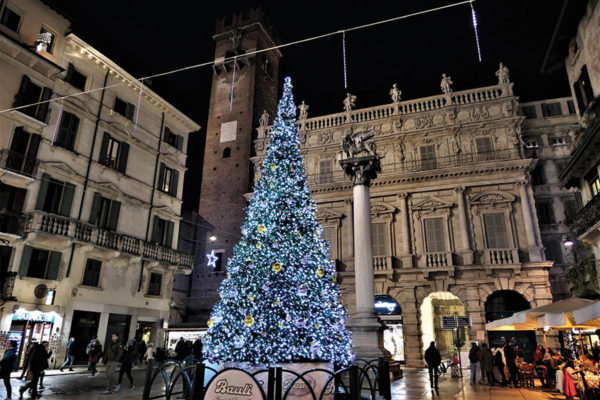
(280, 300)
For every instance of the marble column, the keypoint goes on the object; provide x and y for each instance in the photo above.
(363, 324)
(406, 255)
(535, 251)
(465, 251)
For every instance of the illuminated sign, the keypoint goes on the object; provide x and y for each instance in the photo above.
(37, 316)
(386, 305)
(212, 259)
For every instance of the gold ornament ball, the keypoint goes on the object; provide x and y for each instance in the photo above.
(271, 185)
(320, 272)
(276, 267)
(251, 298)
(210, 323)
(261, 228)
(249, 320)
(280, 324)
(258, 245)
(273, 167)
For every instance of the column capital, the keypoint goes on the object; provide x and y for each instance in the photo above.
(348, 202)
(361, 169)
(523, 182)
(403, 195)
(460, 189)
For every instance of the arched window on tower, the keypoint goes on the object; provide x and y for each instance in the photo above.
(226, 152)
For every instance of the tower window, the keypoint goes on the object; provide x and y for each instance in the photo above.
(226, 152)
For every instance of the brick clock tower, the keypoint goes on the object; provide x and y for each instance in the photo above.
(233, 117)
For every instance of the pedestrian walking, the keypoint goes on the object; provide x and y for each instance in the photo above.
(149, 356)
(112, 354)
(27, 359)
(197, 350)
(95, 354)
(140, 349)
(91, 345)
(128, 358)
(70, 355)
(511, 363)
(39, 360)
(8, 364)
(474, 359)
(46, 365)
(487, 364)
(433, 360)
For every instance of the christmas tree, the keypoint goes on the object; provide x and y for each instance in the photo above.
(280, 300)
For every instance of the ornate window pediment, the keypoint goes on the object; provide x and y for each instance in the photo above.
(493, 197)
(327, 214)
(431, 204)
(380, 209)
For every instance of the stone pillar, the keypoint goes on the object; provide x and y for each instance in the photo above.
(348, 247)
(406, 255)
(474, 308)
(413, 353)
(465, 251)
(535, 251)
(363, 323)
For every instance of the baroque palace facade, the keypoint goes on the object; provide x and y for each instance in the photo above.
(453, 210)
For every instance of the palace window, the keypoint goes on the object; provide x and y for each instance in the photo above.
(125, 109)
(49, 38)
(379, 239)
(325, 171)
(91, 275)
(155, 283)
(162, 232)
(168, 179)
(38, 263)
(23, 151)
(428, 157)
(105, 212)
(10, 19)
(496, 236)
(551, 109)
(435, 238)
(30, 93)
(529, 112)
(545, 212)
(67, 131)
(172, 139)
(55, 197)
(584, 93)
(75, 78)
(329, 236)
(114, 153)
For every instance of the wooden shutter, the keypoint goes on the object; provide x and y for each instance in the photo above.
(67, 200)
(156, 230)
(174, 182)
(161, 176)
(328, 236)
(379, 238)
(72, 131)
(113, 216)
(43, 191)
(34, 144)
(22, 93)
(180, 143)
(53, 265)
(43, 114)
(495, 231)
(169, 236)
(69, 76)
(25, 260)
(435, 239)
(95, 208)
(427, 157)
(123, 154)
(129, 111)
(325, 172)
(103, 149)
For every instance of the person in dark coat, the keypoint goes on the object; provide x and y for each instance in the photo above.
(112, 354)
(197, 350)
(27, 359)
(511, 363)
(128, 357)
(9, 363)
(500, 366)
(487, 364)
(433, 360)
(37, 364)
(46, 365)
(141, 348)
(94, 354)
(70, 356)
(181, 350)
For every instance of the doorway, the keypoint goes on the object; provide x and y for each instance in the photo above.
(83, 329)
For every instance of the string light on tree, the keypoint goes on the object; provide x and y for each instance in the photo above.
(280, 301)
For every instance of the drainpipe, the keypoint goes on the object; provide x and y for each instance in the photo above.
(162, 124)
(89, 166)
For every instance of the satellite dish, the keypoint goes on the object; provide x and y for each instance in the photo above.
(40, 291)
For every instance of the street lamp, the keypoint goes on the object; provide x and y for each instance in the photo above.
(212, 238)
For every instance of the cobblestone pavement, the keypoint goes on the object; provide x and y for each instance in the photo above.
(415, 385)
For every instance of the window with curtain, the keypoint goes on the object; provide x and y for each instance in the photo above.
(325, 171)
(435, 238)
(379, 239)
(496, 234)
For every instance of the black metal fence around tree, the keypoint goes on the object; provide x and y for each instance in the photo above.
(185, 380)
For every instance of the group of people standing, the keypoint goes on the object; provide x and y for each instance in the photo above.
(494, 365)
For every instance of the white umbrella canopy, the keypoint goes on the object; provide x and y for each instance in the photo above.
(558, 316)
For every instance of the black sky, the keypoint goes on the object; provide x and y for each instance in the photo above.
(148, 37)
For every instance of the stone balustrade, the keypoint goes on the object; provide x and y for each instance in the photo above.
(501, 256)
(438, 259)
(382, 263)
(39, 221)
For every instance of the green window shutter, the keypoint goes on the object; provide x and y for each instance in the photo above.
(67, 200)
(123, 154)
(53, 265)
(43, 191)
(69, 76)
(25, 260)
(156, 230)
(72, 133)
(20, 98)
(161, 176)
(103, 148)
(180, 143)
(130, 111)
(174, 182)
(61, 136)
(43, 112)
(95, 208)
(113, 215)
(169, 237)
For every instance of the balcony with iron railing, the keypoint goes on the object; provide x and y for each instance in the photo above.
(17, 162)
(588, 216)
(414, 166)
(78, 231)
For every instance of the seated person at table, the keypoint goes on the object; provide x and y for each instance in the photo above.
(537, 356)
(569, 380)
(550, 365)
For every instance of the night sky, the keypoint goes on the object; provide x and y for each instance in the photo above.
(147, 37)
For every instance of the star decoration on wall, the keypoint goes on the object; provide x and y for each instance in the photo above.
(212, 259)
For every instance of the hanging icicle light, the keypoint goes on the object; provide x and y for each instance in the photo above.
(60, 111)
(344, 55)
(474, 17)
(232, 84)
(137, 112)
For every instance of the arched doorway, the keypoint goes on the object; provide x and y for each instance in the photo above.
(435, 306)
(392, 334)
(502, 304)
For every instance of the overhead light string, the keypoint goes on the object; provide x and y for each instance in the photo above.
(474, 17)
(57, 121)
(344, 55)
(232, 84)
(137, 111)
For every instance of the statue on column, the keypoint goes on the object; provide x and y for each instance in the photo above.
(349, 102)
(446, 84)
(264, 119)
(395, 93)
(502, 74)
(303, 111)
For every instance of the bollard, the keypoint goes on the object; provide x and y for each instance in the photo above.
(198, 382)
(354, 383)
(147, 382)
(278, 382)
(384, 383)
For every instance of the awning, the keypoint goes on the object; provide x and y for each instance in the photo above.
(560, 315)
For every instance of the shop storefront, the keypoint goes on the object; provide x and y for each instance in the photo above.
(32, 326)
(188, 334)
(390, 315)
